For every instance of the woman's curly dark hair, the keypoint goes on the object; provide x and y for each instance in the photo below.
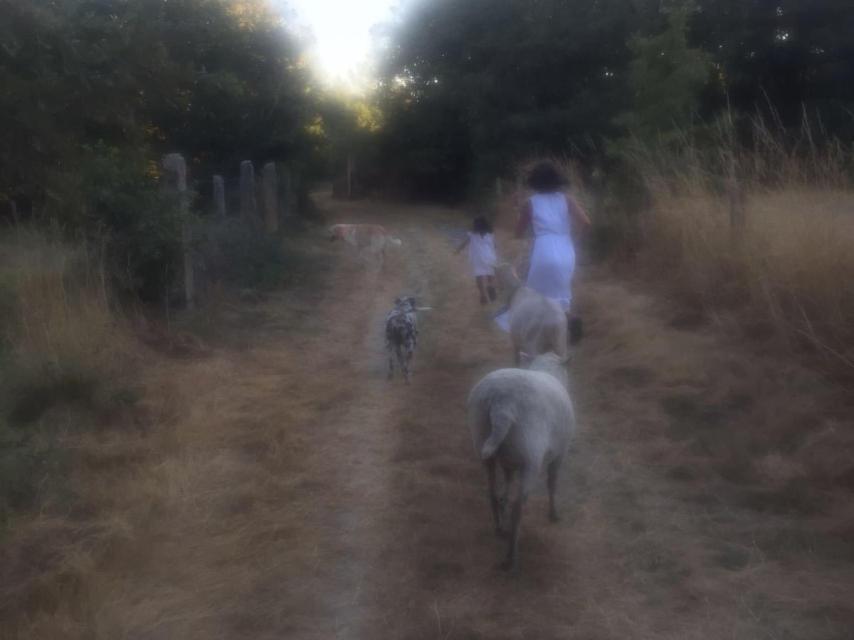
(481, 225)
(546, 178)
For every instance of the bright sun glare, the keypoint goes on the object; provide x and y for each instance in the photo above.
(340, 35)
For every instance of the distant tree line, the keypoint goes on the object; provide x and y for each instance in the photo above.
(469, 87)
(95, 91)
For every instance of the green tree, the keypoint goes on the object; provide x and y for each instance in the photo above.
(95, 91)
(666, 79)
(788, 56)
(470, 87)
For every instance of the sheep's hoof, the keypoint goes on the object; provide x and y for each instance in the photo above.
(554, 517)
(501, 533)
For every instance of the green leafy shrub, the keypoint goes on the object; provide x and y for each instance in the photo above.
(114, 199)
(232, 252)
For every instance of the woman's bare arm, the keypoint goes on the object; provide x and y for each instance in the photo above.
(577, 211)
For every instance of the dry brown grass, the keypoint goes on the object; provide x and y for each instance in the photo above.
(787, 269)
(67, 360)
(282, 488)
(58, 311)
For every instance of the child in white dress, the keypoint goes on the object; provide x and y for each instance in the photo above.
(481, 244)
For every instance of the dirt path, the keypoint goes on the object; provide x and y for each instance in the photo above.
(297, 494)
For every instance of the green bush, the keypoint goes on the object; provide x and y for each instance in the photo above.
(114, 199)
(232, 252)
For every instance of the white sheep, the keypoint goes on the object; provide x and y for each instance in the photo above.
(522, 420)
(537, 324)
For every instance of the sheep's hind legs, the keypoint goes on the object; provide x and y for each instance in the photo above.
(495, 501)
(511, 563)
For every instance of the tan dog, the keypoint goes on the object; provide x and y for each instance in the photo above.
(370, 239)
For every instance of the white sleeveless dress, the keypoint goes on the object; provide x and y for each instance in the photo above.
(553, 256)
(482, 254)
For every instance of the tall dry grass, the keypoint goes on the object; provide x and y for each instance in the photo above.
(765, 229)
(60, 302)
(64, 358)
(67, 372)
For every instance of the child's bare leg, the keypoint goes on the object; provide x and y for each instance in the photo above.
(490, 287)
(481, 287)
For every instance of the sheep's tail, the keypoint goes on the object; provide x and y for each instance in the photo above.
(501, 424)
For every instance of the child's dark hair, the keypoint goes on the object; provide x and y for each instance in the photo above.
(481, 225)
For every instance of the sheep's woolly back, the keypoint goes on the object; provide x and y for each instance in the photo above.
(507, 399)
(537, 324)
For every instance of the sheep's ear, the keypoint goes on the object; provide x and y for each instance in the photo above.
(566, 360)
(525, 359)
(412, 301)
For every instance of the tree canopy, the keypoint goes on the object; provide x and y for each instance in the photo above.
(218, 80)
(470, 87)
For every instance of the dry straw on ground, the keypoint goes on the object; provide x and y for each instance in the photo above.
(788, 268)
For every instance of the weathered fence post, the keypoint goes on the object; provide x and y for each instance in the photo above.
(248, 203)
(175, 164)
(350, 169)
(219, 196)
(270, 191)
(285, 191)
(737, 200)
(293, 192)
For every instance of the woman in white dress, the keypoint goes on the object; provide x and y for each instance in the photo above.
(481, 244)
(551, 214)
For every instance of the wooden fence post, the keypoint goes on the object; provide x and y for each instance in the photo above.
(175, 164)
(248, 202)
(737, 200)
(285, 191)
(219, 196)
(350, 168)
(270, 199)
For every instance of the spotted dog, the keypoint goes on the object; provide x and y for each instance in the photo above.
(401, 335)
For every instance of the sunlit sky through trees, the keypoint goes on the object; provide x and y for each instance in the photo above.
(339, 33)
